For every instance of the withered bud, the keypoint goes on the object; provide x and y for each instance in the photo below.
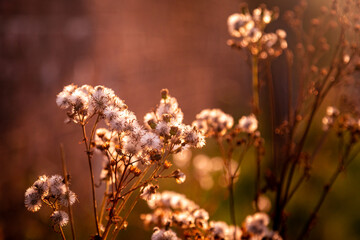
(135, 170)
(152, 124)
(310, 48)
(174, 130)
(275, 14)
(100, 134)
(240, 141)
(118, 149)
(333, 24)
(357, 27)
(314, 69)
(166, 117)
(179, 176)
(315, 22)
(124, 225)
(325, 47)
(244, 8)
(231, 43)
(300, 47)
(324, 9)
(167, 164)
(164, 93)
(323, 71)
(155, 156)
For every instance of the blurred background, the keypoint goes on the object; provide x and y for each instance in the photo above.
(136, 48)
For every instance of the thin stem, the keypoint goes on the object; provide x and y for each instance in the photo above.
(272, 113)
(62, 233)
(89, 154)
(255, 84)
(306, 170)
(232, 203)
(257, 180)
(289, 82)
(227, 165)
(326, 190)
(116, 230)
(103, 203)
(108, 225)
(67, 189)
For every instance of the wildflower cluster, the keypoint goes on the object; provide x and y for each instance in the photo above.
(84, 102)
(341, 123)
(135, 156)
(171, 209)
(248, 29)
(53, 192)
(166, 121)
(230, 139)
(213, 122)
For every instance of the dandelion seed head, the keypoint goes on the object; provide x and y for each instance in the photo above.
(56, 185)
(238, 24)
(60, 218)
(151, 140)
(32, 199)
(162, 128)
(67, 198)
(62, 100)
(256, 224)
(41, 185)
(248, 124)
(213, 121)
(193, 137)
(131, 146)
(100, 98)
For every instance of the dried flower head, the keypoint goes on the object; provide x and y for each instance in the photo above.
(248, 124)
(249, 31)
(179, 176)
(60, 218)
(213, 122)
(161, 234)
(148, 192)
(32, 199)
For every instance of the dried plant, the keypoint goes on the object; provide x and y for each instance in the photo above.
(136, 156)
